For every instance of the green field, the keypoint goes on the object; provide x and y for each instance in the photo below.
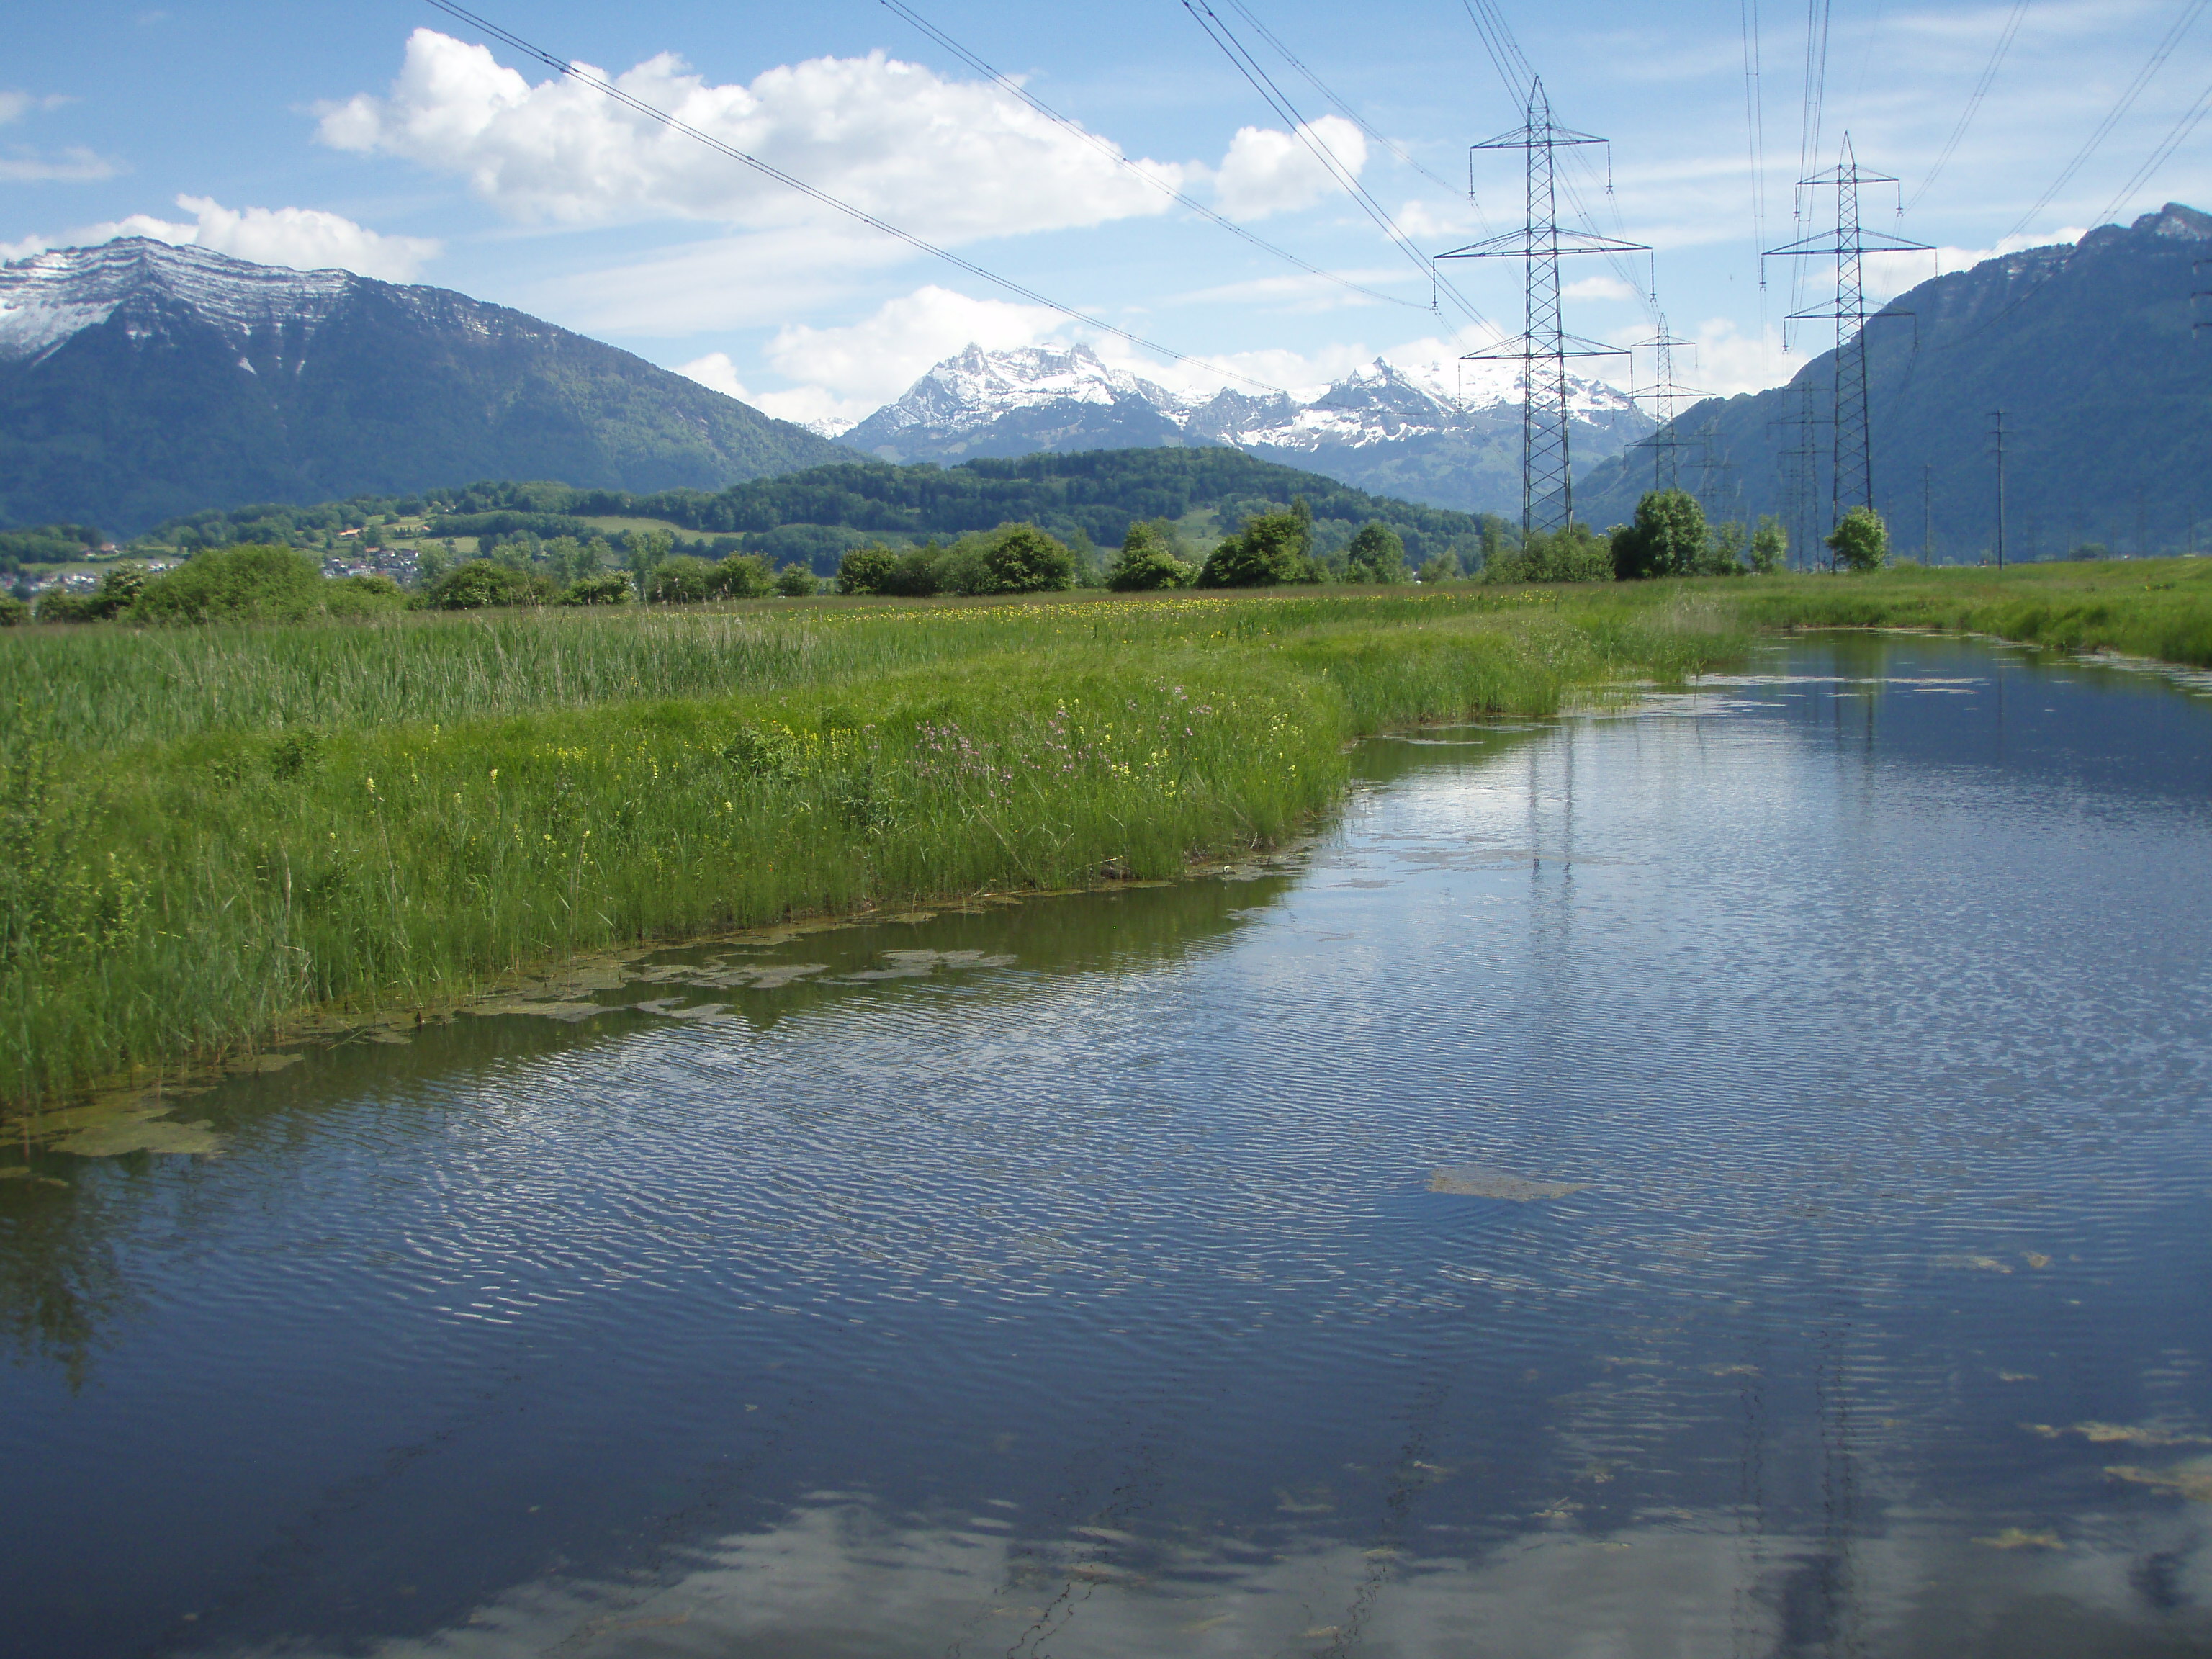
(204, 832)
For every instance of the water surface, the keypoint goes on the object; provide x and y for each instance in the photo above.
(1065, 1278)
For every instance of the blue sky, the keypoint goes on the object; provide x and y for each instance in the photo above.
(387, 139)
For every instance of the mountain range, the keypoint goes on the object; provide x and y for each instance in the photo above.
(140, 380)
(2092, 353)
(1448, 433)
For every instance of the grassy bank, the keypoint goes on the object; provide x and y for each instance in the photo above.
(203, 829)
(2159, 608)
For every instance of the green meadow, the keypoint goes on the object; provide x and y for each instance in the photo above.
(207, 831)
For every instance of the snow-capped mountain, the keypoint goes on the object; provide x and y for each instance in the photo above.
(139, 380)
(1448, 433)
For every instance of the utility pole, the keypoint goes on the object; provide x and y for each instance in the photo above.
(1852, 481)
(1547, 488)
(1927, 513)
(1998, 415)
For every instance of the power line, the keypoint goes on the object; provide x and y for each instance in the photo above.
(1249, 67)
(584, 78)
(2156, 61)
(1754, 121)
(2159, 157)
(1346, 110)
(1113, 152)
(1973, 99)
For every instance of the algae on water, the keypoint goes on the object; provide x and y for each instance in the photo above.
(1472, 1181)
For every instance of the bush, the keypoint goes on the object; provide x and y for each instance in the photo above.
(1860, 542)
(1575, 554)
(14, 613)
(744, 576)
(480, 585)
(796, 582)
(1273, 549)
(866, 570)
(1019, 558)
(59, 606)
(1376, 554)
(235, 584)
(1147, 564)
(1441, 568)
(683, 580)
(1669, 538)
(608, 587)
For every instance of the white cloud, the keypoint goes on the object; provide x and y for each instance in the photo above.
(76, 166)
(306, 239)
(1727, 360)
(1268, 171)
(1598, 288)
(14, 106)
(952, 161)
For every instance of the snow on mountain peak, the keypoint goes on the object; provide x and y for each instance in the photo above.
(49, 297)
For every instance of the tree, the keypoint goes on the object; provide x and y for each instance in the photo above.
(1574, 553)
(744, 576)
(1667, 538)
(1439, 569)
(1273, 549)
(1147, 563)
(1377, 554)
(607, 587)
(866, 569)
(796, 582)
(1021, 559)
(1770, 546)
(1860, 542)
(646, 549)
(478, 585)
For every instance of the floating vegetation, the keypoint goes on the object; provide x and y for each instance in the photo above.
(1960, 1261)
(1472, 1181)
(2108, 1434)
(2192, 1481)
(2012, 1538)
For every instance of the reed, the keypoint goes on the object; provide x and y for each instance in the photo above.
(204, 830)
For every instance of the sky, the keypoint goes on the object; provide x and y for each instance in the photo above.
(398, 141)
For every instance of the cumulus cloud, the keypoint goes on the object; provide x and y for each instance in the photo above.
(949, 159)
(1598, 288)
(1269, 171)
(1888, 275)
(306, 239)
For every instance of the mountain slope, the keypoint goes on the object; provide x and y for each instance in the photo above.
(140, 380)
(1432, 435)
(2088, 349)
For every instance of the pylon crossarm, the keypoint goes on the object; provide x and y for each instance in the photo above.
(1522, 244)
(1870, 241)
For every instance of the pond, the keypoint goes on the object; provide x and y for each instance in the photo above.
(1728, 1175)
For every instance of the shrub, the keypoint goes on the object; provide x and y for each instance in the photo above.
(1147, 564)
(796, 582)
(14, 613)
(1272, 547)
(683, 580)
(744, 576)
(235, 584)
(1575, 554)
(1441, 568)
(59, 606)
(1669, 538)
(1377, 554)
(479, 585)
(1019, 558)
(608, 587)
(866, 570)
(1861, 541)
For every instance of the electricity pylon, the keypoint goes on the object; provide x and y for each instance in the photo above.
(1666, 393)
(1547, 489)
(1852, 481)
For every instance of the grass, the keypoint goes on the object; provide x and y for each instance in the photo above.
(204, 830)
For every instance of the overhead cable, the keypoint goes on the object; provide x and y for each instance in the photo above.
(1973, 100)
(584, 78)
(1108, 147)
(1250, 68)
(1349, 114)
(2159, 53)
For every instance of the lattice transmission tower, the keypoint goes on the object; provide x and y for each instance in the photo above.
(1547, 488)
(1851, 482)
(1665, 394)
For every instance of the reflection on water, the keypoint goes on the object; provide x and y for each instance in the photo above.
(1727, 1177)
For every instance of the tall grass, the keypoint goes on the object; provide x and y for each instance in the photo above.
(203, 831)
